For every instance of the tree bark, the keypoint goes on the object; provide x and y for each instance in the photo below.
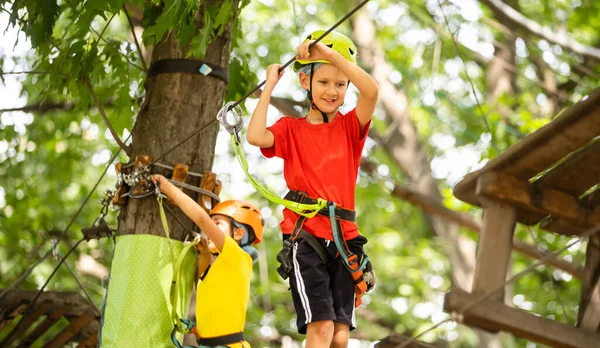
(175, 106)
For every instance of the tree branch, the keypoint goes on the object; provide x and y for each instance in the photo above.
(125, 148)
(42, 107)
(533, 27)
(137, 44)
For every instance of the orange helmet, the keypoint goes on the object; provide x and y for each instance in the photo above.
(244, 213)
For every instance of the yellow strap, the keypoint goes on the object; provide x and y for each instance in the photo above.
(306, 210)
(174, 294)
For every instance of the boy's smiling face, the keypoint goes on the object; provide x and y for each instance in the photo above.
(329, 86)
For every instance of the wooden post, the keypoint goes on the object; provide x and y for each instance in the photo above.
(494, 247)
(589, 306)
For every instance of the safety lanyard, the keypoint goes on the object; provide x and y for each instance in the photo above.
(306, 210)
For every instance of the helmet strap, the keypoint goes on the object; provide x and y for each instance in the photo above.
(248, 237)
(309, 95)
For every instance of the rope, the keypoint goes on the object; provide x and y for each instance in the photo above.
(87, 294)
(30, 307)
(485, 119)
(588, 233)
(546, 274)
(105, 297)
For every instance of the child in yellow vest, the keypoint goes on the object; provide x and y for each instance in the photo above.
(224, 287)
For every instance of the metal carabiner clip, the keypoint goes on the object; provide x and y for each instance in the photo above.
(239, 122)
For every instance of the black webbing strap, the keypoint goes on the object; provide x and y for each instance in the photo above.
(340, 213)
(221, 340)
(314, 243)
(191, 66)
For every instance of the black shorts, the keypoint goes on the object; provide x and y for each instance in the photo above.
(319, 291)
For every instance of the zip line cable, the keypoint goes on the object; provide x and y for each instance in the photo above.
(64, 232)
(549, 277)
(485, 119)
(235, 104)
(459, 313)
(30, 307)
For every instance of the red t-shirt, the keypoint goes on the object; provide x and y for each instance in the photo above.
(321, 160)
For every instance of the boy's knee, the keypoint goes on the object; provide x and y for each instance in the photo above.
(323, 329)
(341, 335)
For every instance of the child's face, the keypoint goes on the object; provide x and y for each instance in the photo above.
(223, 223)
(329, 86)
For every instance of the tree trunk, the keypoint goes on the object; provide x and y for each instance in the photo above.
(175, 106)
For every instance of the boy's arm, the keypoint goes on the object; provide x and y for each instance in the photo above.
(258, 134)
(366, 85)
(192, 210)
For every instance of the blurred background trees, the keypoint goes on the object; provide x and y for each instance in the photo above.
(460, 81)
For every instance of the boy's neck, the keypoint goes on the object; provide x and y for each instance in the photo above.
(315, 117)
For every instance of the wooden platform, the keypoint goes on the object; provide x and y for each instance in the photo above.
(66, 314)
(551, 177)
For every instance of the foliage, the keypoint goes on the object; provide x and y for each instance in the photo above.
(49, 161)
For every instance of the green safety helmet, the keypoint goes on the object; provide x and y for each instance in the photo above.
(334, 40)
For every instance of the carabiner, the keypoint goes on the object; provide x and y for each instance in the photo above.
(239, 123)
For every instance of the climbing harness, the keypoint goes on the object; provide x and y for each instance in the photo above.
(360, 269)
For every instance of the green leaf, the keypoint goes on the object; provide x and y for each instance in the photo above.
(222, 19)
(201, 41)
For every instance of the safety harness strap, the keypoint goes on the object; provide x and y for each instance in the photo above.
(221, 340)
(192, 66)
(340, 213)
(314, 243)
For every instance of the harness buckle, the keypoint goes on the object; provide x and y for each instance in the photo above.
(283, 257)
(235, 128)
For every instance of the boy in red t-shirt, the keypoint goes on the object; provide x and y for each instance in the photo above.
(321, 154)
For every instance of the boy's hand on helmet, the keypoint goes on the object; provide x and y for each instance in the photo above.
(273, 73)
(317, 52)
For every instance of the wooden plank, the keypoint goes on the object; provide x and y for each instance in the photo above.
(543, 148)
(591, 315)
(491, 315)
(494, 246)
(19, 330)
(562, 227)
(542, 200)
(52, 317)
(70, 331)
(432, 206)
(589, 283)
(89, 341)
(577, 174)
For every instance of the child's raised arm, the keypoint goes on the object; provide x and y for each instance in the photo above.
(192, 210)
(258, 134)
(366, 85)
